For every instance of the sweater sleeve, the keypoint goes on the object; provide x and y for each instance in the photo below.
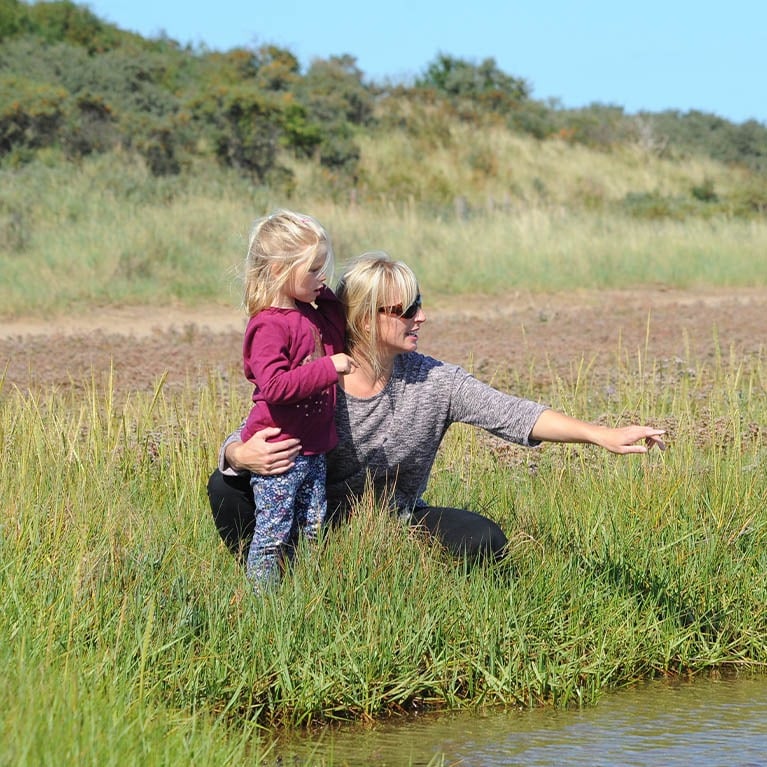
(504, 415)
(223, 465)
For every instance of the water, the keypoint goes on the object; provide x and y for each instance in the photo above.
(709, 723)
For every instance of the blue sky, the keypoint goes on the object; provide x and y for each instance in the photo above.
(649, 55)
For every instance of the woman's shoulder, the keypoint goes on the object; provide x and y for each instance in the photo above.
(415, 365)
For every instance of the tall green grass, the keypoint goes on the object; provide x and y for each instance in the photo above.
(130, 635)
(105, 231)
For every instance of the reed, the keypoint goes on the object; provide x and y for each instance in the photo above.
(131, 635)
(549, 217)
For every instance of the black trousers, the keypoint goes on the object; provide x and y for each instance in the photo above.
(463, 533)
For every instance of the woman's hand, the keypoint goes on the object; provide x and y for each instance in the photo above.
(625, 439)
(259, 456)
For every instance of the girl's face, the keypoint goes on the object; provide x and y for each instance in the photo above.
(307, 285)
(398, 327)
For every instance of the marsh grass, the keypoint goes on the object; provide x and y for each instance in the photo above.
(130, 635)
(550, 217)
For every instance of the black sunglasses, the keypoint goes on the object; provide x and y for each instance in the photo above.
(398, 311)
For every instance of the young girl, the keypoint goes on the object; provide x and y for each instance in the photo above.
(293, 354)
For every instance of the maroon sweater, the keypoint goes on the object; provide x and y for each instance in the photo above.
(286, 357)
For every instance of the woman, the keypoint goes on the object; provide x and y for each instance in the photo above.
(392, 412)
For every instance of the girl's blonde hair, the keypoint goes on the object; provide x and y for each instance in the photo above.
(279, 246)
(369, 282)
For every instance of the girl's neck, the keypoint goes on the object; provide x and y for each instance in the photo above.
(284, 301)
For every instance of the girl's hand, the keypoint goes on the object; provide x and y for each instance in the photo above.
(343, 363)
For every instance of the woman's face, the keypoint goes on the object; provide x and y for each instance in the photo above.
(398, 326)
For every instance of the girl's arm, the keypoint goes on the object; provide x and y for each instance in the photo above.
(269, 366)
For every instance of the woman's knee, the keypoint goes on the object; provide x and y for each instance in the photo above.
(464, 533)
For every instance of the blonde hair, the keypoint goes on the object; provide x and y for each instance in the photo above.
(279, 246)
(369, 282)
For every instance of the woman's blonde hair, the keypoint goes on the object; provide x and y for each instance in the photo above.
(368, 283)
(279, 246)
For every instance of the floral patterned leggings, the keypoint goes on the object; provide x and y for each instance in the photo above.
(286, 505)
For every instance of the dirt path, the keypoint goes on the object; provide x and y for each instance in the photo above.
(550, 332)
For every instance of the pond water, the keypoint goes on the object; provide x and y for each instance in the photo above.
(706, 723)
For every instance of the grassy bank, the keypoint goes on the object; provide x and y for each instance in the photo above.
(541, 216)
(131, 636)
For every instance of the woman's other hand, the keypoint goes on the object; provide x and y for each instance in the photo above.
(260, 456)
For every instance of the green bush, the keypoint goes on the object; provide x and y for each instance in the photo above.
(598, 126)
(31, 112)
(698, 132)
(277, 69)
(653, 206)
(704, 192)
(333, 92)
(64, 21)
(13, 18)
(461, 79)
(246, 125)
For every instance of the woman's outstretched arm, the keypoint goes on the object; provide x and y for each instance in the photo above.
(553, 426)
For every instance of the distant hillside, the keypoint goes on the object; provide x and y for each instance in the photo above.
(73, 85)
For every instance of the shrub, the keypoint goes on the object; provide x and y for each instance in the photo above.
(13, 18)
(333, 92)
(459, 78)
(704, 192)
(698, 132)
(598, 126)
(276, 69)
(31, 113)
(652, 206)
(246, 126)
(64, 21)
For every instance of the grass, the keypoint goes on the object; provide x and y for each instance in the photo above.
(131, 636)
(550, 217)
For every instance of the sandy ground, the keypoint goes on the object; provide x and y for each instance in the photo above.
(542, 335)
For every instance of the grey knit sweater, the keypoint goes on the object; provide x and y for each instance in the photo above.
(393, 437)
